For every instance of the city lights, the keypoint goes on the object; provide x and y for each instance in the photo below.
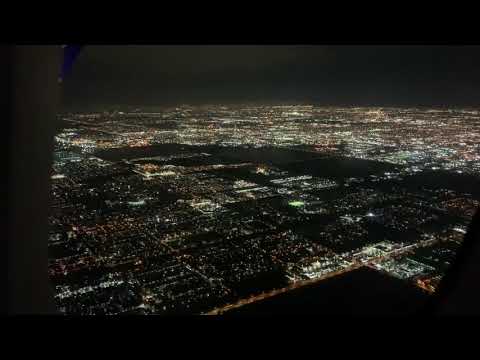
(196, 209)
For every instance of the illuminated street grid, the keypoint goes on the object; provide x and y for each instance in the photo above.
(193, 209)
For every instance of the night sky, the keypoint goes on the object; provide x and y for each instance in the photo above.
(323, 75)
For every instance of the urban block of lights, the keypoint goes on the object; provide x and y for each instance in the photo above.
(192, 210)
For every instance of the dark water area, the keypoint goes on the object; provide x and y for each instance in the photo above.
(146, 151)
(362, 292)
(223, 154)
(198, 161)
(462, 183)
(288, 159)
(269, 155)
(339, 168)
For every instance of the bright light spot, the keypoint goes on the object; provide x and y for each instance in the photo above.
(57, 176)
(460, 230)
(296, 203)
